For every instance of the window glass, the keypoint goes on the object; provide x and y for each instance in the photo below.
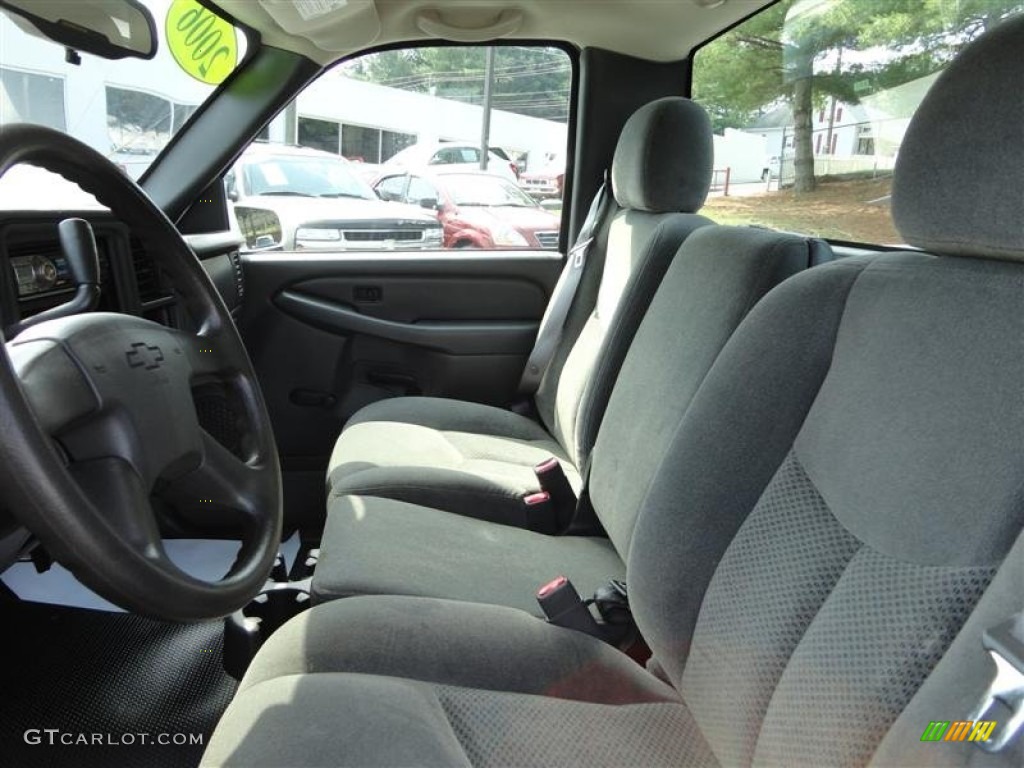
(485, 190)
(139, 124)
(392, 188)
(810, 101)
(303, 176)
(180, 113)
(127, 109)
(32, 98)
(418, 113)
(420, 190)
(453, 155)
(360, 143)
(393, 142)
(319, 134)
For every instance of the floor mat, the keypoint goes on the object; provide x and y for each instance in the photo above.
(90, 688)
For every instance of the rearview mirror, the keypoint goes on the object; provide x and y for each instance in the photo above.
(430, 203)
(110, 29)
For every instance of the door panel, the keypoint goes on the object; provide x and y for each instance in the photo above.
(329, 334)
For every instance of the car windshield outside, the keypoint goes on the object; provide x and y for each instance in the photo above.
(126, 109)
(490, 191)
(305, 177)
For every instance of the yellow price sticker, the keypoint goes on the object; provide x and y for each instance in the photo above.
(201, 42)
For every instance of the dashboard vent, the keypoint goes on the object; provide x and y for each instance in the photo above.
(236, 263)
(146, 275)
(49, 249)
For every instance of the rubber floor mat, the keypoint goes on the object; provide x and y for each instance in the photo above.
(89, 688)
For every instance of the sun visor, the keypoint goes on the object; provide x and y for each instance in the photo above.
(330, 25)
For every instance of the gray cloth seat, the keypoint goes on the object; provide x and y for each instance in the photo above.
(834, 520)
(463, 457)
(478, 460)
(383, 546)
(405, 689)
(380, 546)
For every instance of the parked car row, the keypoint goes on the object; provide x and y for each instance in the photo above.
(296, 198)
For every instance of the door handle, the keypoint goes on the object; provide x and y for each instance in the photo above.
(368, 294)
(407, 384)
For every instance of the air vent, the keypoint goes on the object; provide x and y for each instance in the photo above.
(146, 275)
(29, 248)
(236, 263)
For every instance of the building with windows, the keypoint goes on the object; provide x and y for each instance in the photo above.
(130, 120)
(846, 138)
(370, 123)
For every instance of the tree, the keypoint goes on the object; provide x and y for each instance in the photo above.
(793, 55)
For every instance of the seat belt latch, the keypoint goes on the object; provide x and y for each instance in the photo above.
(540, 514)
(552, 480)
(1005, 644)
(563, 607)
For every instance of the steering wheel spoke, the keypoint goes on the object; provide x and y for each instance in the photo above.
(207, 354)
(221, 482)
(119, 493)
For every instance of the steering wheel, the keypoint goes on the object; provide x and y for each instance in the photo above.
(99, 427)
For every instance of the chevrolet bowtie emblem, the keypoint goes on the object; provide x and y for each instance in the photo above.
(142, 355)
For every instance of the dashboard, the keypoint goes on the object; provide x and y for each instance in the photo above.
(34, 274)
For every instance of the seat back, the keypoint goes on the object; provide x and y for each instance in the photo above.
(848, 478)
(661, 174)
(717, 277)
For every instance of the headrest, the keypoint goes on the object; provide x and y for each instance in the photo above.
(664, 158)
(959, 179)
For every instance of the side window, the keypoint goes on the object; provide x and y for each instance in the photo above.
(404, 126)
(139, 124)
(319, 134)
(33, 98)
(392, 188)
(810, 102)
(422, 192)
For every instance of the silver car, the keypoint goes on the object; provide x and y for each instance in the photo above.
(295, 198)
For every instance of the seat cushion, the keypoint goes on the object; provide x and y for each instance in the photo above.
(381, 546)
(404, 689)
(470, 459)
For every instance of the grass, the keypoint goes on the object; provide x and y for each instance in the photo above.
(852, 210)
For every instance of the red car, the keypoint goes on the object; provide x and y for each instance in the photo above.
(477, 210)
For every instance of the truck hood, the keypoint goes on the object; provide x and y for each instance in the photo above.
(528, 219)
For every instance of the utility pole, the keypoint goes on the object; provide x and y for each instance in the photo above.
(485, 128)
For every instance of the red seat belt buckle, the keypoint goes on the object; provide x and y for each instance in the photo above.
(551, 478)
(563, 607)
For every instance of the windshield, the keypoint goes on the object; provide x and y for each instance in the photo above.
(491, 191)
(305, 177)
(127, 109)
